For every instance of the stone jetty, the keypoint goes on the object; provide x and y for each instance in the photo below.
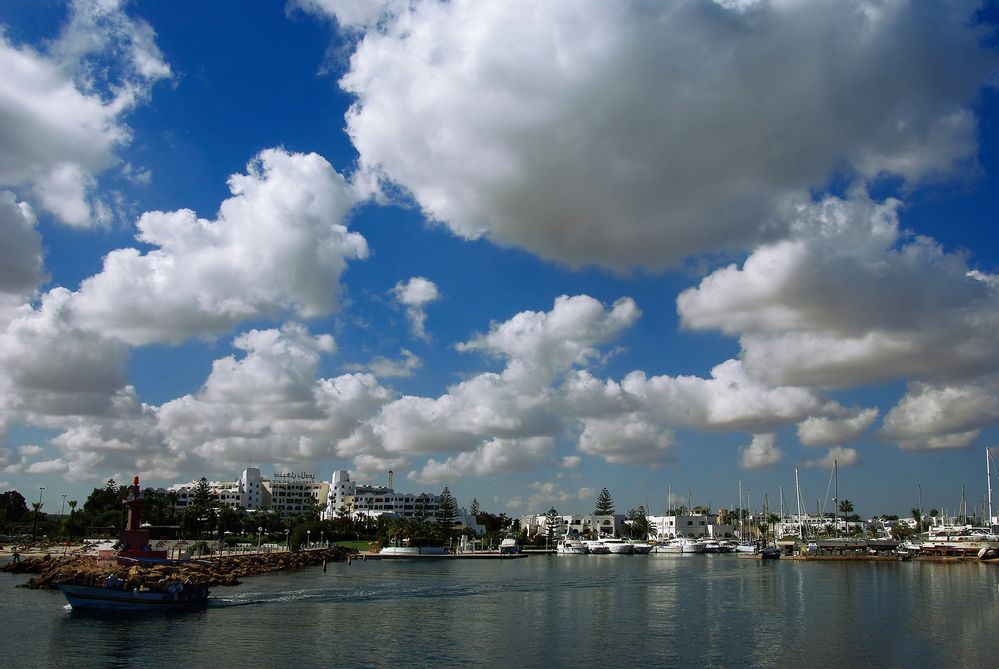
(225, 570)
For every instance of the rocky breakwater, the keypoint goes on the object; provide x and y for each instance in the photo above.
(225, 570)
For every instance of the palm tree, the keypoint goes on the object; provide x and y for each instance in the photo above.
(917, 515)
(36, 506)
(846, 507)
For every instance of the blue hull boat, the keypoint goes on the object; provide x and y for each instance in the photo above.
(97, 598)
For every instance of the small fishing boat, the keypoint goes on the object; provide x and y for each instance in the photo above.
(771, 553)
(112, 593)
(115, 597)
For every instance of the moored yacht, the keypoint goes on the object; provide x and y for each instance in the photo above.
(569, 546)
(596, 547)
(641, 547)
(618, 546)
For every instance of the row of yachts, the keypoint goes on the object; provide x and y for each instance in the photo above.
(614, 546)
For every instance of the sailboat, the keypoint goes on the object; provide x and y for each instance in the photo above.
(745, 545)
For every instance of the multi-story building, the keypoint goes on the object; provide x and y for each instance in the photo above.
(574, 525)
(347, 497)
(689, 525)
(287, 494)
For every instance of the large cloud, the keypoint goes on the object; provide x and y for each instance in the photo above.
(942, 416)
(61, 111)
(826, 430)
(52, 368)
(268, 406)
(493, 457)
(851, 299)
(279, 243)
(541, 345)
(21, 266)
(629, 133)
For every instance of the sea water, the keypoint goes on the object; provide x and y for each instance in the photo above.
(544, 610)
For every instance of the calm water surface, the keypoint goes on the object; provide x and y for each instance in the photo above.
(565, 611)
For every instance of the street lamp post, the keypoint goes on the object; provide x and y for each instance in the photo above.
(322, 533)
(287, 540)
(34, 529)
(308, 539)
(260, 531)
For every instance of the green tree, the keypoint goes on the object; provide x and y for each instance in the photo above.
(553, 522)
(637, 526)
(105, 499)
(202, 506)
(901, 531)
(474, 508)
(14, 506)
(37, 508)
(917, 515)
(605, 504)
(846, 507)
(420, 508)
(447, 514)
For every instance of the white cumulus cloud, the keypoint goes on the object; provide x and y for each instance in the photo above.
(633, 134)
(761, 452)
(61, 116)
(415, 295)
(838, 455)
(849, 299)
(278, 244)
(823, 430)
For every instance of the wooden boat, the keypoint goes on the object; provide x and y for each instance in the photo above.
(105, 598)
(114, 594)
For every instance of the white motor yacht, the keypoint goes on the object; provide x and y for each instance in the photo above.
(618, 546)
(641, 547)
(694, 546)
(596, 547)
(669, 546)
(571, 547)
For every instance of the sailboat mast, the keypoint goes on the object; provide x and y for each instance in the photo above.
(742, 516)
(797, 500)
(836, 495)
(988, 478)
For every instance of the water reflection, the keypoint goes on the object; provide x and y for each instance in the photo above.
(544, 611)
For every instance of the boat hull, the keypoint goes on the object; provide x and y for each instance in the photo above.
(95, 598)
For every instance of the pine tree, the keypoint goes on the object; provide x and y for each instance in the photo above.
(605, 504)
(474, 508)
(552, 522)
(447, 513)
(420, 508)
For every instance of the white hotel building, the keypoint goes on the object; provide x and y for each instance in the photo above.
(287, 494)
(365, 499)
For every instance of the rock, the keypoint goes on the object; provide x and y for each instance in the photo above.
(226, 570)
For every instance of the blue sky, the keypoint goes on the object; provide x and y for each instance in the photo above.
(523, 251)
